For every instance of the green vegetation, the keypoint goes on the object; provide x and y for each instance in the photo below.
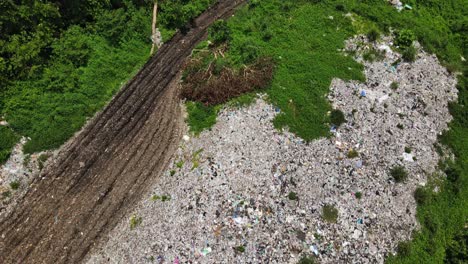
(373, 55)
(163, 198)
(337, 117)
(135, 221)
(179, 164)
(240, 249)
(14, 185)
(408, 149)
(358, 195)
(394, 85)
(61, 62)
(329, 213)
(352, 154)
(201, 117)
(7, 140)
(41, 160)
(306, 260)
(293, 196)
(399, 173)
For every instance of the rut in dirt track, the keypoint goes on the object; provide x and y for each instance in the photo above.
(102, 172)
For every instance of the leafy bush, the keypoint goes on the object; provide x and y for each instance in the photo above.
(405, 38)
(306, 260)
(409, 54)
(330, 213)
(399, 174)
(337, 117)
(404, 248)
(373, 34)
(14, 185)
(7, 140)
(293, 196)
(358, 195)
(421, 195)
(457, 250)
(135, 221)
(220, 32)
(352, 154)
(394, 85)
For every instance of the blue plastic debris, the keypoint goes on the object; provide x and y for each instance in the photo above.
(359, 164)
(333, 129)
(363, 93)
(359, 221)
(277, 110)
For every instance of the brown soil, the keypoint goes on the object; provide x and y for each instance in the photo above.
(104, 170)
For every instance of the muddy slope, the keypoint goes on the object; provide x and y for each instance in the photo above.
(103, 171)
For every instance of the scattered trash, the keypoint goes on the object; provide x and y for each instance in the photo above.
(206, 251)
(363, 93)
(314, 250)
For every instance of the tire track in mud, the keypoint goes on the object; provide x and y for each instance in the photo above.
(102, 172)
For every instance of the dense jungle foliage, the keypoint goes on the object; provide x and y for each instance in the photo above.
(61, 61)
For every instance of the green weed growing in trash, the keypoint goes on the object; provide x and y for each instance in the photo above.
(358, 195)
(135, 221)
(408, 149)
(394, 85)
(240, 249)
(41, 160)
(337, 117)
(306, 260)
(293, 196)
(179, 164)
(352, 154)
(329, 213)
(399, 173)
(14, 185)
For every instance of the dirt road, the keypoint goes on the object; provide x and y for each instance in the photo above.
(103, 171)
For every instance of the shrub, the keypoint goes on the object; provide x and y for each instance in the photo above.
(400, 126)
(220, 32)
(293, 196)
(14, 185)
(394, 85)
(409, 54)
(41, 160)
(373, 55)
(135, 221)
(353, 154)
(404, 38)
(404, 248)
(457, 250)
(337, 117)
(421, 195)
(329, 213)
(358, 195)
(179, 164)
(399, 173)
(306, 260)
(373, 35)
(240, 249)
(407, 149)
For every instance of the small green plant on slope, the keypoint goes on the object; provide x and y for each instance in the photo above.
(293, 196)
(135, 221)
(337, 117)
(399, 173)
(14, 185)
(352, 154)
(329, 213)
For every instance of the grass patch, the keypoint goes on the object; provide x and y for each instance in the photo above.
(201, 117)
(330, 213)
(394, 86)
(337, 117)
(306, 260)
